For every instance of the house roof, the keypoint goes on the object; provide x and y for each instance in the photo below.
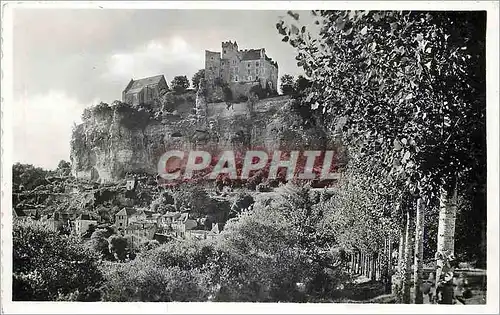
(61, 216)
(85, 216)
(126, 211)
(141, 226)
(138, 85)
(251, 54)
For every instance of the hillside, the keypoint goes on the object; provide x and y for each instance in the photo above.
(118, 139)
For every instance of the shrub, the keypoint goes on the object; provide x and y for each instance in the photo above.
(258, 91)
(48, 266)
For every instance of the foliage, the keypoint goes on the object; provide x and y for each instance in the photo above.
(406, 92)
(148, 245)
(143, 281)
(170, 272)
(28, 176)
(170, 101)
(48, 266)
(242, 201)
(273, 247)
(286, 85)
(191, 198)
(417, 104)
(258, 91)
(118, 247)
(179, 84)
(197, 77)
(64, 168)
(99, 243)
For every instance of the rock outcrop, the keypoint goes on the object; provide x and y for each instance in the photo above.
(117, 140)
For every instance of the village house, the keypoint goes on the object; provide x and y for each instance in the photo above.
(58, 220)
(26, 214)
(183, 224)
(200, 234)
(167, 219)
(122, 218)
(83, 224)
(138, 232)
(145, 91)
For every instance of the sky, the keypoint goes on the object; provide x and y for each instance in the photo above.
(69, 59)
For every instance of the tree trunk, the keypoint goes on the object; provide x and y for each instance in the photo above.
(389, 261)
(374, 266)
(419, 252)
(362, 269)
(353, 262)
(446, 232)
(397, 283)
(401, 253)
(359, 266)
(408, 258)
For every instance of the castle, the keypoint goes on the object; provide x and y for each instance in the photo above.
(239, 70)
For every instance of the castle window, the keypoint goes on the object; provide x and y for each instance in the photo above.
(249, 78)
(224, 51)
(248, 71)
(236, 78)
(248, 64)
(212, 58)
(234, 62)
(257, 63)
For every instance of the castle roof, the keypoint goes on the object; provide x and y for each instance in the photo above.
(251, 54)
(137, 85)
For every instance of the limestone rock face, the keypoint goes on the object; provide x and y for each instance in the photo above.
(107, 146)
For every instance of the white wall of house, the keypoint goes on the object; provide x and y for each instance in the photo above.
(82, 226)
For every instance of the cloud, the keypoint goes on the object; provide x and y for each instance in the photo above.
(42, 127)
(171, 57)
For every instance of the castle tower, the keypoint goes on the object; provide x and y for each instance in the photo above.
(230, 61)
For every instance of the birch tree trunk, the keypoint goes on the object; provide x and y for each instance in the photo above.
(419, 252)
(374, 266)
(446, 230)
(387, 272)
(401, 252)
(353, 262)
(397, 285)
(408, 259)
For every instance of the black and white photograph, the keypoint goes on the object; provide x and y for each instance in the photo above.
(286, 154)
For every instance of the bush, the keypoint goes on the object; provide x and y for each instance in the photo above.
(258, 91)
(144, 281)
(48, 266)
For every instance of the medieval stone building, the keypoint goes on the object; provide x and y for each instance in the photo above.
(239, 70)
(144, 91)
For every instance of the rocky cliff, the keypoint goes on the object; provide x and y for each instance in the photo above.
(118, 139)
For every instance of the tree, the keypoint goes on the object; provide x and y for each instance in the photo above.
(99, 243)
(49, 267)
(414, 115)
(118, 247)
(286, 85)
(179, 84)
(301, 85)
(64, 168)
(199, 75)
(28, 176)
